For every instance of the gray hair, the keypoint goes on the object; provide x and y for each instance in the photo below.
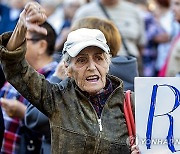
(67, 58)
(108, 57)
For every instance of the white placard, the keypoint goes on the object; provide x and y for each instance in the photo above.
(157, 114)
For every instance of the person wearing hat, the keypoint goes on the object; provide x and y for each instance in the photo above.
(86, 109)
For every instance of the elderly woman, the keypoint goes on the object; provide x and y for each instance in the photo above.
(124, 67)
(85, 110)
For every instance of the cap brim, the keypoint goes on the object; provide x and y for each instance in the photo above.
(77, 48)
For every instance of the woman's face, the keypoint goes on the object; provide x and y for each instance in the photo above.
(89, 69)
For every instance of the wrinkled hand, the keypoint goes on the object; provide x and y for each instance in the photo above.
(135, 149)
(13, 108)
(32, 16)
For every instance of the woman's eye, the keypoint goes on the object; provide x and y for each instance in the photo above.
(81, 60)
(99, 58)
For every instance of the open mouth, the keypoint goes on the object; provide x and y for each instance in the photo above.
(93, 78)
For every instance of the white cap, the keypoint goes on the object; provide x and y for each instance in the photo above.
(79, 39)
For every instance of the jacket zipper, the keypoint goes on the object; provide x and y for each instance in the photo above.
(100, 125)
(99, 121)
(98, 137)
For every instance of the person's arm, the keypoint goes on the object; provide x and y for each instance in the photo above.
(21, 75)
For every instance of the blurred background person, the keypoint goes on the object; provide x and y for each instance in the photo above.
(34, 119)
(155, 35)
(9, 14)
(171, 67)
(40, 49)
(54, 12)
(165, 18)
(125, 15)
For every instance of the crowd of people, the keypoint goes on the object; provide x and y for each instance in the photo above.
(88, 53)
